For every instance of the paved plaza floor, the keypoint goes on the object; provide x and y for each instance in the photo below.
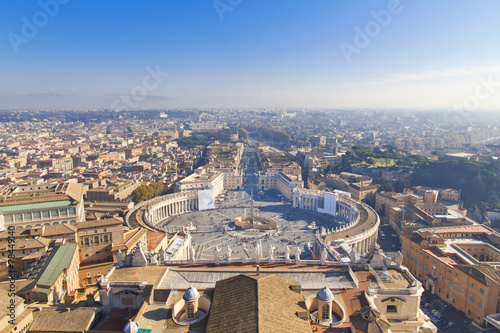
(216, 227)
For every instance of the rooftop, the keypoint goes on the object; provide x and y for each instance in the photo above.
(62, 320)
(60, 261)
(256, 304)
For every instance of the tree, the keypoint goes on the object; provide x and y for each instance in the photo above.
(146, 192)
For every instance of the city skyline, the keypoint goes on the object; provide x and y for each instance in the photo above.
(236, 54)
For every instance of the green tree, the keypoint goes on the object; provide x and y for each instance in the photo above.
(146, 192)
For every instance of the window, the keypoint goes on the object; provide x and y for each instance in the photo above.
(86, 241)
(190, 311)
(456, 275)
(462, 292)
(426, 268)
(463, 279)
(481, 290)
(392, 309)
(455, 287)
(448, 282)
(473, 285)
(480, 305)
(471, 298)
(440, 277)
(96, 240)
(325, 312)
(105, 238)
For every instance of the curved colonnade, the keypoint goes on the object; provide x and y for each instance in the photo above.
(151, 213)
(359, 231)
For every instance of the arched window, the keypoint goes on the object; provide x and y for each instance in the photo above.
(96, 240)
(105, 238)
(190, 311)
(86, 241)
(325, 313)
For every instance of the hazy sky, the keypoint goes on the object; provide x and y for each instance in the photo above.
(250, 53)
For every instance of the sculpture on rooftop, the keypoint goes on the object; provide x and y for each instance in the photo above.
(257, 253)
(297, 255)
(216, 255)
(271, 253)
(399, 259)
(287, 255)
(228, 254)
(324, 256)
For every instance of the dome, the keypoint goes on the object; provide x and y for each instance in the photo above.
(325, 295)
(131, 327)
(191, 294)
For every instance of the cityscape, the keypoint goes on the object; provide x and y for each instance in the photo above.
(237, 166)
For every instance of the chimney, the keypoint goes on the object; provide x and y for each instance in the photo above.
(258, 270)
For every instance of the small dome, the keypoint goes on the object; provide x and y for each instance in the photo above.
(131, 327)
(191, 294)
(325, 295)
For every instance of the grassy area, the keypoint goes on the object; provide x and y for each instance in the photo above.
(384, 162)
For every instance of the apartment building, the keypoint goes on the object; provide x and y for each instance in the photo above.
(385, 200)
(57, 163)
(54, 277)
(32, 206)
(112, 191)
(455, 264)
(96, 239)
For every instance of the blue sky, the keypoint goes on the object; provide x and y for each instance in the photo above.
(250, 53)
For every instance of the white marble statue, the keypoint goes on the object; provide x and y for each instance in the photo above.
(257, 253)
(287, 255)
(192, 254)
(216, 255)
(161, 254)
(297, 255)
(228, 254)
(399, 259)
(271, 253)
(119, 257)
(324, 256)
(139, 259)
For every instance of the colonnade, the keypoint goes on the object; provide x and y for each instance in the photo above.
(363, 246)
(174, 208)
(306, 202)
(170, 205)
(346, 212)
